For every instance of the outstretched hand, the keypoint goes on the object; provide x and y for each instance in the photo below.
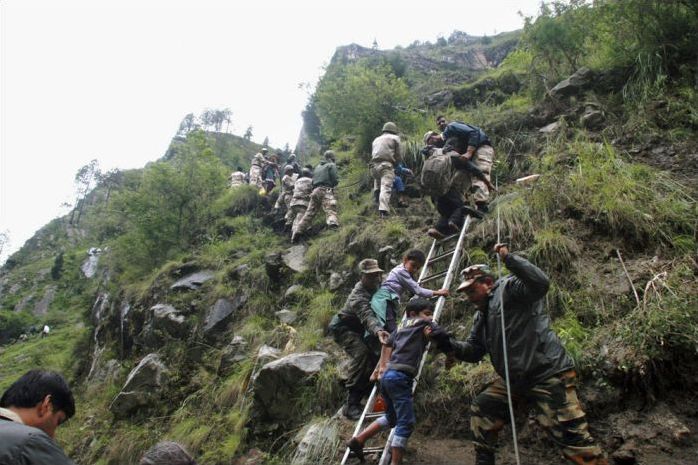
(383, 337)
(502, 249)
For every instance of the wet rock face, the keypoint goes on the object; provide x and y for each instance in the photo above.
(193, 281)
(41, 307)
(221, 314)
(276, 382)
(89, 266)
(142, 387)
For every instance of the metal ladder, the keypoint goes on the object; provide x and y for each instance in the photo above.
(436, 254)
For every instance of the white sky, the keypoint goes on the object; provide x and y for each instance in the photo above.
(111, 80)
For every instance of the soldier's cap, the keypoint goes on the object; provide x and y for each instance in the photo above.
(264, 149)
(471, 274)
(292, 156)
(288, 168)
(427, 135)
(329, 154)
(369, 265)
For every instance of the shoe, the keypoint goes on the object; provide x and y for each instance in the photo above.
(435, 234)
(356, 448)
(482, 457)
(473, 212)
(333, 226)
(482, 207)
(352, 411)
(402, 204)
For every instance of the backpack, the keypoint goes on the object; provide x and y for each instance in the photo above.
(437, 175)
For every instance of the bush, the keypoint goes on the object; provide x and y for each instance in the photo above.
(12, 325)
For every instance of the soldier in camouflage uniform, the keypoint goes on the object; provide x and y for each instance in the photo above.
(300, 199)
(385, 155)
(540, 370)
(259, 162)
(287, 183)
(357, 329)
(237, 178)
(324, 180)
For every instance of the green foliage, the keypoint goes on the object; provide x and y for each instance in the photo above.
(359, 98)
(13, 324)
(573, 335)
(554, 250)
(237, 201)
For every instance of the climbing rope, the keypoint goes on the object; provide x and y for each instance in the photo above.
(504, 337)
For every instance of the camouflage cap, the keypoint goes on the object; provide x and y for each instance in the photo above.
(288, 168)
(427, 135)
(472, 273)
(390, 127)
(329, 155)
(369, 265)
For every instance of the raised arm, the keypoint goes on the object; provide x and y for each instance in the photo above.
(529, 283)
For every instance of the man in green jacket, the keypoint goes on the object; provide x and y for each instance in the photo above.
(30, 411)
(540, 370)
(358, 331)
(324, 181)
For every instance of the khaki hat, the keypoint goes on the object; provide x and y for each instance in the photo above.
(471, 274)
(369, 265)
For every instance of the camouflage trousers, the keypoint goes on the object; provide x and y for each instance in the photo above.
(256, 178)
(294, 215)
(283, 201)
(363, 360)
(321, 196)
(383, 177)
(557, 410)
(483, 159)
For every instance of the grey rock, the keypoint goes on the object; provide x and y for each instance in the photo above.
(221, 312)
(336, 281)
(294, 258)
(274, 266)
(313, 440)
(108, 372)
(240, 271)
(276, 383)
(574, 84)
(234, 352)
(286, 316)
(292, 291)
(593, 119)
(267, 353)
(89, 266)
(142, 386)
(194, 281)
(23, 303)
(550, 128)
(41, 307)
(166, 318)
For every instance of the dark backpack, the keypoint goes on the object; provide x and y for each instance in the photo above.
(437, 175)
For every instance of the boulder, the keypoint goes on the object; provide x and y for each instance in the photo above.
(274, 266)
(276, 383)
(294, 258)
(89, 266)
(550, 128)
(142, 386)
(240, 271)
(267, 353)
(166, 318)
(234, 352)
(314, 440)
(592, 119)
(574, 84)
(193, 281)
(219, 315)
(286, 316)
(293, 291)
(337, 280)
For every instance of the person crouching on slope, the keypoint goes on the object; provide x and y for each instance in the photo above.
(386, 301)
(540, 370)
(408, 342)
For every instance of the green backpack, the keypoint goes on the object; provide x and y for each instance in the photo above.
(437, 175)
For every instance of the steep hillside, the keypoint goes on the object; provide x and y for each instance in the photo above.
(203, 324)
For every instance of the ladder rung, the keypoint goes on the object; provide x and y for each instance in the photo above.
(372, 450)
(373, 415)
(434, 276)
(441, 257)
(448, 238)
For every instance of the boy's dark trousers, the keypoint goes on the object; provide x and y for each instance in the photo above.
(450, 207)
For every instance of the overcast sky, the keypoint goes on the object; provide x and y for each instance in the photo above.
(111, 80)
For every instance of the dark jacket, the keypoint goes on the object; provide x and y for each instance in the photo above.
(409, 341)
(357, 314)
(466, 134)
(325, 174)
(25, 445)
(535, 352)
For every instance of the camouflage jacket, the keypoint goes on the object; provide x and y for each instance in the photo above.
(535, 352)
(301, 191)
(357, 314)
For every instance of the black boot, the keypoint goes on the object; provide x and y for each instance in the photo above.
(482, 207)
(484, 457)
(376, 194)
(353, 409)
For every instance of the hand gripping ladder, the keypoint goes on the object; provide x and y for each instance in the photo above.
(438, 253)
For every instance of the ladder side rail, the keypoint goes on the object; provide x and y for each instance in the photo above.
(385, 456)
(360, 422)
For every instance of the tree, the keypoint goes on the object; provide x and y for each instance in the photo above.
(57, 268)
(187, 125)
(248, 133)
(110, 180)
(375, 44)
(85, 178)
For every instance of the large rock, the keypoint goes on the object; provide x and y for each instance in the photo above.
(194, 281)
(89, 266)
(574, 84)
(286, 316)
(142, 387)
(314, 440)
(294, 258)
(276, 383)
(293, 292)
(274, 267)
(235, 352)
(166, 318)
(593, 119)
(41, 307)
(219, 315)
(550, 128)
